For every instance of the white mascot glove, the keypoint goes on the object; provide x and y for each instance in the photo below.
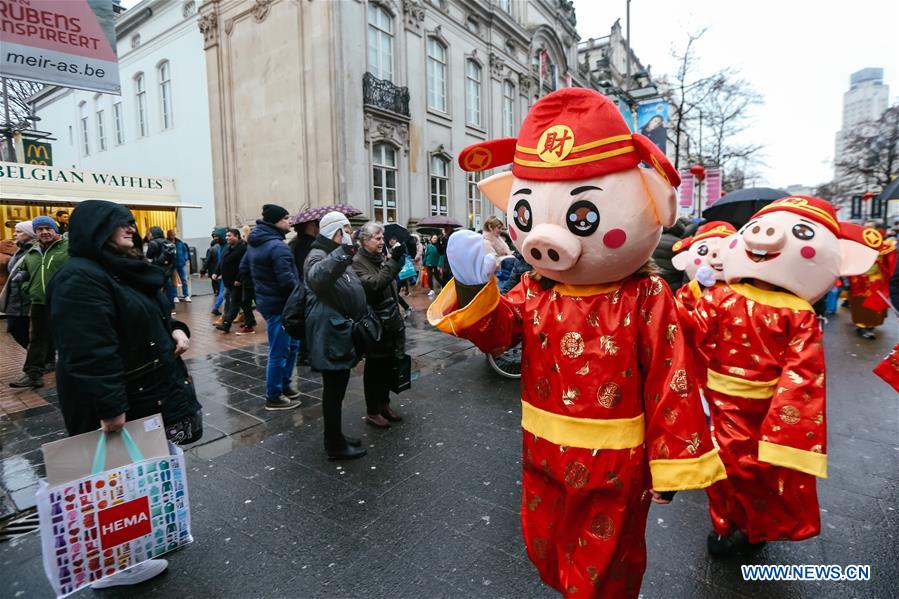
(706, 276)
(470, 257)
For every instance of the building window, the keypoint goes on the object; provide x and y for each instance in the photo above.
(474, 201)
(508, 109)
(384, 170)
(101, 131)
(165, 93)
(140, 97)
(85, 143)
(439, 185)
(436, 75)
(380, 42)
(473, 92)
(119, 125)
(506, 5)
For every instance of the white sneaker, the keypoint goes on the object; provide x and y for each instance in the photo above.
(135, 575)
(176, 300)
(431, 293)
(187, 299)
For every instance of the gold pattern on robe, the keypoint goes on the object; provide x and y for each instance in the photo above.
(708, 297)
(693, 444)
(810, 435)
(662, 450)
(816, 448)
(488, 322)
(543, 388)
(540, 547)
(628, 373)
(571, 394)
(770, 320)
(668, 362)
(534, 502)
(819, 380)
(738, 321)
(671, 334)
(732, 352)
(819, 418)
(750, 307)
(656, 287)
(797, 344)
(780, 486)
(782, 390)
(613, 480)
(789, 414)
(775, 428)
(530, 294)
(584, 370)
(536, 320)
(607, 344)
(726, 334)
(728, 303)
(559, 317)
(608, 395)
(679, 383)
(572, 344)
(593, 574)
(736, 370)
(646, 315)
(670, 414)
(577, 475)
(544, 339)
(627, 320)
(795, 377)
(744, 340)
(756, 358)
(553, 295)
(581, 542)
(602, 526)
(556, 368)
(593, 319)
(616, 297)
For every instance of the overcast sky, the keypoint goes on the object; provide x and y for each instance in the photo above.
(797, 53)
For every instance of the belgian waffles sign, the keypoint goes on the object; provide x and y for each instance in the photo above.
(124, 522)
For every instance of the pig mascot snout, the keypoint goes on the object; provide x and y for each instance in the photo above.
(765, 382)
(611, 418)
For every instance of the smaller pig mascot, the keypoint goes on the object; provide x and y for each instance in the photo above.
(610, 417)
(869, 292)
(691, 254)
(765, 378)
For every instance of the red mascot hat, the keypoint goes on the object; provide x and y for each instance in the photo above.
(816, 209)
(570, 134)
(716, 228)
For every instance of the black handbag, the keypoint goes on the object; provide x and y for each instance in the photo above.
(367, 332)
(402, 373)
(388, 312)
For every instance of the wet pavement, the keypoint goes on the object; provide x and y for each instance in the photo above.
(432, 509)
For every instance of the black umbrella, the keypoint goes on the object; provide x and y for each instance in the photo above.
(890, 192)
(400, 234)
(738, 206)
(318, 212)
(439, 221)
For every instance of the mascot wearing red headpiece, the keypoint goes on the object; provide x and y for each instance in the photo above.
(610, 417)
(765, 378)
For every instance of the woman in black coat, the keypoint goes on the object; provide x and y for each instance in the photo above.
(378, 276)
(119, 350)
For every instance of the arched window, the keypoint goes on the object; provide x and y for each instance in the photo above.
(439, 168)
(101, 127)
(472, 92)
(508, 109)
(383, 169)
(436, 75)
(140, 99)
(82, 118)
(380, 42)
(164, 71)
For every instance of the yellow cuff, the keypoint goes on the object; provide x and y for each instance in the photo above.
(586, 433)
(731, 385)
(794, 459)
(688, 473)
(442, 315)
(695, 288)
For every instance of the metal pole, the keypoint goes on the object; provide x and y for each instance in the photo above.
(10, 146)
(627, 79)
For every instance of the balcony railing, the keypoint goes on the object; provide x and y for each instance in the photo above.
(383, 94)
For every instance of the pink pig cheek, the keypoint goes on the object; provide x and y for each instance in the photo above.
(697, 262)
(808, 252)
(733, 244)
(513, 234)
(614, 238)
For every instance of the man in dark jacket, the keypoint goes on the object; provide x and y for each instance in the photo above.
(271, 264)
(228, 272)
(213, 257)
(300, 245)
(162, 253)
(182, 257)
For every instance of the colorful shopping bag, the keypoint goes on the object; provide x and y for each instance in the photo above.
(113, 519)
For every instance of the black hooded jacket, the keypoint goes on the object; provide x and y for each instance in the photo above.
(113, 331)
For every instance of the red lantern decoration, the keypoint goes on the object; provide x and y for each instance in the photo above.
(698, 171)
(868, 195)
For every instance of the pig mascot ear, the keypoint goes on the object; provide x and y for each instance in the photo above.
(497, 188)
(679, 261)
(857, 258)
(659, 181)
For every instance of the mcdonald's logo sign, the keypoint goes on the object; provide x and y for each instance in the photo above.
(37, 152)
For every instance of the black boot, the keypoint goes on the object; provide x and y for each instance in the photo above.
(345, 452)
(728, 545)
(26, 380)
(352, 441)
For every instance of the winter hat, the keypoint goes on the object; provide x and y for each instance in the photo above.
(44, 221)
(331, 222)
(25, 226)
(272, 213)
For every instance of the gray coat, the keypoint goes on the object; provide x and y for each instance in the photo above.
(334, 299)
(13, 299)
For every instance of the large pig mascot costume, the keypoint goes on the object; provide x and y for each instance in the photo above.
(609, 415)
(765, 384)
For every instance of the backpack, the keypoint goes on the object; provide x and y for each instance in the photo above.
(293, 317)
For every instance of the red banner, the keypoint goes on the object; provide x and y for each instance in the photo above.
(712, 186)
(686, 188)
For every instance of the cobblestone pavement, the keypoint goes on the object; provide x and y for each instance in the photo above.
(432, 510)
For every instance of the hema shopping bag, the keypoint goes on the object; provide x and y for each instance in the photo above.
(113, 518)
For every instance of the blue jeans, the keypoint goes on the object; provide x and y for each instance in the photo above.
(170, 292)
(182, 274)
(282, 356)
(220, 297)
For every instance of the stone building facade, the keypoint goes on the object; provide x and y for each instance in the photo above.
(368, 102)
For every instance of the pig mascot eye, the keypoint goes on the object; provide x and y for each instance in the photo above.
(702, 250)
(582, 218)
(803, 232)
(522, 216)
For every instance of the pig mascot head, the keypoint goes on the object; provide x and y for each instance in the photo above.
(580, 207)
(703, 249)
(797, 244)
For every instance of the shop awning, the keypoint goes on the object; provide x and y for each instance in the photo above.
(50, 185)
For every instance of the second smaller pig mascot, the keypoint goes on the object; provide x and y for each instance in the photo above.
(765, 380)
(610, 416)
(691, 254)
